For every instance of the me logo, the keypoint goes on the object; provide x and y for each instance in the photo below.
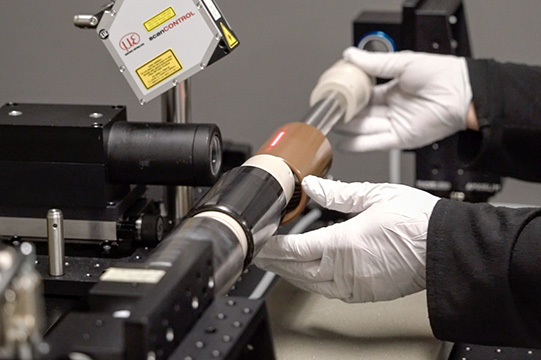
(104, 34)
(129, 40)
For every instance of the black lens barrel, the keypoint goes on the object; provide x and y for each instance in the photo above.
(164, 154)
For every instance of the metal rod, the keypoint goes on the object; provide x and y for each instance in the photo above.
(176, 108)
(394, 166)
(326, 113)
(55, 237)
(85, 21)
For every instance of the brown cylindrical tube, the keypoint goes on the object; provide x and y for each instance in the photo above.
(307, 152)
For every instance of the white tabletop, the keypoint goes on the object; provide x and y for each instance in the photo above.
(309, 326)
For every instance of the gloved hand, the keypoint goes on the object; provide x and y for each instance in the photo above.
(427, 100)
(380, 254)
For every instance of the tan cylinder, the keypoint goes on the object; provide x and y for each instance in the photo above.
(307, 152)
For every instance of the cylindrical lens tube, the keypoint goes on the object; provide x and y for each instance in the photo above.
(164, 154)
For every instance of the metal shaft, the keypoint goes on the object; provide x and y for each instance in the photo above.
(176, 108)
(326, 113)
(55, 237)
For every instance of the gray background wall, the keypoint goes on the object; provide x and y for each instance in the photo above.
(285, 45)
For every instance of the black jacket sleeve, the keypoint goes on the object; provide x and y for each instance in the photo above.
(507, 100)
(484, 274)
(484, 262)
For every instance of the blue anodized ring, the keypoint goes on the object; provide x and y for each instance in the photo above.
(377, 37)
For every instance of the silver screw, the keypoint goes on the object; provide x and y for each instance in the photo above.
(170, 335)
(15, 113)
(95, 115)
(195, 302)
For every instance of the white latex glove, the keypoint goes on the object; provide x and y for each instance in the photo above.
(427, 100)
(380, 254)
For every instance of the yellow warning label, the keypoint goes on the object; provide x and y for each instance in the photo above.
(159, 19)
(229, 37)
(159, 69)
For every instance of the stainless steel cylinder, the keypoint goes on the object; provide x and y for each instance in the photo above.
(250, 201)
(55, 237)
(228, 256)
(245, 207)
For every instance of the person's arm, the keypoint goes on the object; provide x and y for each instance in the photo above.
(430, 97)
(483, 274)
(507, 101)
(483, 263)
